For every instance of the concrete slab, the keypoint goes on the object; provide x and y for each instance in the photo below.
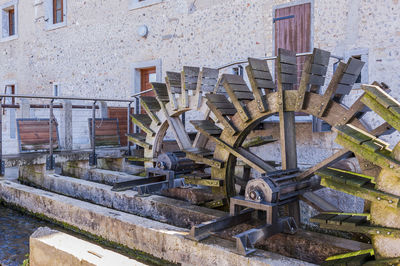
(175, 212)
(61, 156)
(49, 247)
(158, 239)
(106, 173)
(108, 177)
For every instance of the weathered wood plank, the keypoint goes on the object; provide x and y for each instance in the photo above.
(199, 158)
(171, 94)
(354, 66)
(319, 69)
(321, 57)
(318, 203)
(238, 97)
(139, 140)
(257, 141)
(151, 107)
(161, 91)
(258, 94)
(143, 121)
(287, 126)
(330, 91)
(106, 133)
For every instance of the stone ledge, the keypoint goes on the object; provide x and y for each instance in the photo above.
(160, 240)
(171, 211)
(51, 247)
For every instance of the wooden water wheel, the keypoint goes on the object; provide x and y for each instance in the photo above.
(231, 110)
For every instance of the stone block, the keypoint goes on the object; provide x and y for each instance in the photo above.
(50, 247)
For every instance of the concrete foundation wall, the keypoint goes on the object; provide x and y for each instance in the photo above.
(155, 238)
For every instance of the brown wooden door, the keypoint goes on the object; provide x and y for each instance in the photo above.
(146, 77)
(294, 33)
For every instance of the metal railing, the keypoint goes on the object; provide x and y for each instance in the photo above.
(272, 58)
(243, 61)
(50, 162)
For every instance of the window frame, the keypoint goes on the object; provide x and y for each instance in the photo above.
(5, 21)
(50, 15)
(136, 4)
(11, 112)
(55, 10)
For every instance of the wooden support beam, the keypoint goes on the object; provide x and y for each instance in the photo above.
(204, 182)
(356, 223)
(357, 185)
(318, 203)
(383, 104)
(181, 136)
(367, 147)
(287, 124)
(249, 158)
(343, 154)
(203, 156)
(257, 141)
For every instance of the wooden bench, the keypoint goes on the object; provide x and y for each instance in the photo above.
(106, 132)
(34, 135)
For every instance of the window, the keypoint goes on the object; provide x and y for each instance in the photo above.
(238, 70)
(56, 14)
(9, 17)
(135, 4)
(11, 22)
(360, 54)
(56, 89)
(9, 89)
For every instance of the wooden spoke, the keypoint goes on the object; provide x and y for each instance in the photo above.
(286, 70)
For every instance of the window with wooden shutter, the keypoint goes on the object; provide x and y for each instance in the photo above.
(8, 20)
(58, 11)
(11, 22)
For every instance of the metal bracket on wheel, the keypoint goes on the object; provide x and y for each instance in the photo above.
(92, 159)
(50, 162)
(204, 230)
(2, 168)
(246, 241)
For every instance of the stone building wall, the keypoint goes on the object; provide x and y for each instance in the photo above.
(93, 54)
